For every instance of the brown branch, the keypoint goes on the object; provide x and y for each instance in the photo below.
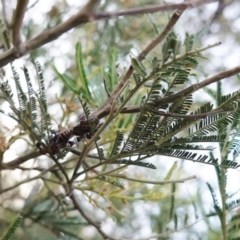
(197, 86)
(157, 8)
(20, 160)
(89, 218)
(17, 23)
(84, 16)
(16, 162)
(78, 207)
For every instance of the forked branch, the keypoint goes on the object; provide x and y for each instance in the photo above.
(17, 23)
(83, 16)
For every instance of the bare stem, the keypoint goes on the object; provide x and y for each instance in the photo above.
(17, 22)
(20, 160)
(83, 16)
(156, 8)
(159, 182)
(197, 86)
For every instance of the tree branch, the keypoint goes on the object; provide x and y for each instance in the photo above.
(17, 23)
(48, 35)
(197, 86)
(88, 218)
(20, 160)
(83, 16)
(156, 8)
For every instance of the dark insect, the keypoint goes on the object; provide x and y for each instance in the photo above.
(84, 127)
(62, 139)
(59, 140)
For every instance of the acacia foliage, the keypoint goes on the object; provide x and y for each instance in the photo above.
(150, 116)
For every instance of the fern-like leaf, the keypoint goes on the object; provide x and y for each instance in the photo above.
(12, 228)
(32, 105)
(42, 100)
(81, 71)
(216, 205)
(22, 98)
(131, 162)
(171, 47)
(117, 144)
(111, 74)
(188, 42)
(112, 181)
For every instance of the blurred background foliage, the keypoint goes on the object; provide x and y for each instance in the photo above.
(182, 211)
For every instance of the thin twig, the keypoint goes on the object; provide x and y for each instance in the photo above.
(33, 5)
(82, 17)
(17, 23)
(106, 88)
(78, 207)
(193, 88)
(166, 234)
(25, 181)
(20, 160)
(61, 168)
(158, 182)
(221, 6)
(157, 8)
(88, 218)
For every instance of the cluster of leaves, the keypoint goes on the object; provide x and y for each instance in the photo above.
(25, 112)
(159, 128)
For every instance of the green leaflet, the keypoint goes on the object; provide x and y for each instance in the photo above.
(188, 42)
(138, 67)
(171, 171)
(136, 163)
(12, 228)
(81, 85)
(171, 47)
(69, 82)
(112, 181)
(111, 74)
(81, 71)
(117, 144)
(45, 124)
